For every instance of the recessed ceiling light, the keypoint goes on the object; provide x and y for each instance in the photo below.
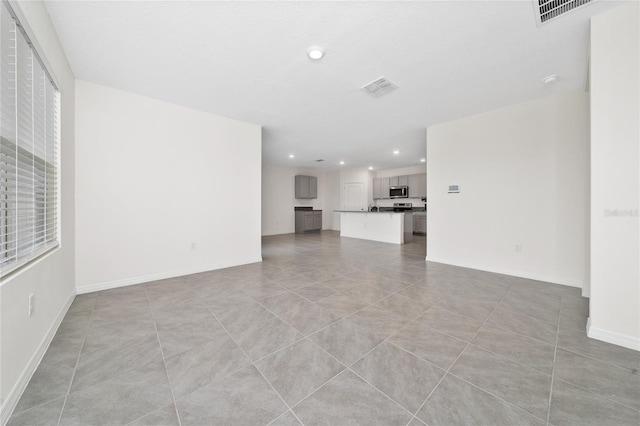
(342, 163)
(550, 79)
(370, 167)
(422, 160)
(315, 52)
(396, 152)
(291, 155)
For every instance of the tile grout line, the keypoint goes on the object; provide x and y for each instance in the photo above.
(254, 366)
(553, 368)
(470, 383)
(75, 369)
(460, 355)
(281, 415)
(164, 362)
(322, 349)
(494, 395)
(308, 337)
(606, 398)
(616, 366)
(56, 398)
(529, 318)
(366, 306)
(348, 367)
(609, 364)
(465, 380)
(320, 329)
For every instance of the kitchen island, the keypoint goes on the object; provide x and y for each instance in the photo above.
(386, 226)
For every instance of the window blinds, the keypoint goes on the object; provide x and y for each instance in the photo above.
(29, 135)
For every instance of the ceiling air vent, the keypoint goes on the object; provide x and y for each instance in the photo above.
(379, 87)
(546, 10)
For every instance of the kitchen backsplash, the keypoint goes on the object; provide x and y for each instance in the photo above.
(317, 203)
(416, 202)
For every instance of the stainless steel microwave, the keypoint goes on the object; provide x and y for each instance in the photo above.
(399, 192)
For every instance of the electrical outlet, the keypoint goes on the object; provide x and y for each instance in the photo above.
(30, 304)
(518, 248)
(193, 246)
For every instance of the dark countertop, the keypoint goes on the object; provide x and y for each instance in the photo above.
(365, 211)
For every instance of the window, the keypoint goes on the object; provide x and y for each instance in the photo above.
(29, 139)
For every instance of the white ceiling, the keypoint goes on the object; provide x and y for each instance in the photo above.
(247, 61)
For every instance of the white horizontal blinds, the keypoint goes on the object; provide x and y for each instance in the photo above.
(29, 129)
(8, 148)
(39, 156)
(26, 209)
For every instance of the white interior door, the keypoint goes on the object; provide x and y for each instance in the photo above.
(354, 199)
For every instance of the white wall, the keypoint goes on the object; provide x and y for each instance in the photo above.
(524, 177)
(332, 200)
(411, 170)
(615, 176)
(151, 179)
(24, 339)
(278, 198)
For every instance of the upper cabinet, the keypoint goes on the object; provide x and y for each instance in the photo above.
(377, 192)
(399, 181)
(384, 187)
(380, 188)
(306, 187)
(417, 185)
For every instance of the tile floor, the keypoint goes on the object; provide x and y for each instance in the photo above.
(330, 330)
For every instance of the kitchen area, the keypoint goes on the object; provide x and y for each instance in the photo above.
(397, 213)
(385, 205)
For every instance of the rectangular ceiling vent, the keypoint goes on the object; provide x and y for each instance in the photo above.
(379, 87)
(547, 10)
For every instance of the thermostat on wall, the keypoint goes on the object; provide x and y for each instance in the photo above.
(454, 189)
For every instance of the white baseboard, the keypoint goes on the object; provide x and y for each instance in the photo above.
(16, 392)
(90, 288)
(512, 272)
(586, 292)
(614, 338)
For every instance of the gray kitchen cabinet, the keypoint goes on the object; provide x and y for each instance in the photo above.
(317, 220)
(384, 188)
(380, 188)
(308, 221)
(419, 223)
(306, 187)
(302, 186)
(377, 193)
(399, 180)
(418, 185)
(313, 187)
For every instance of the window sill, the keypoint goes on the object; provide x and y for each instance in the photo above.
(27, 263)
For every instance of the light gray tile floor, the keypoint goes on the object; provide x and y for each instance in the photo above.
(330, 330)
